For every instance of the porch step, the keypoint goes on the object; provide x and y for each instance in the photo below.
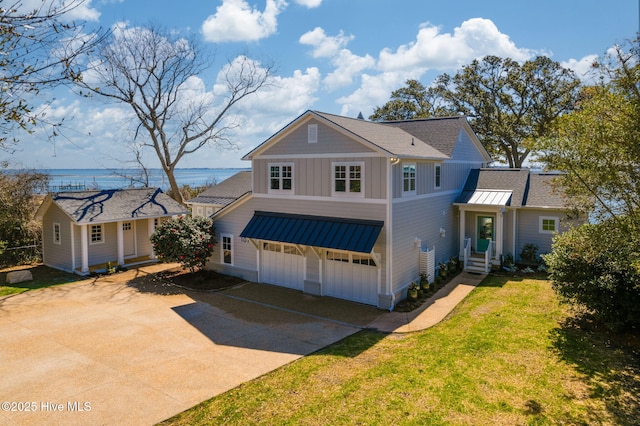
(475, 265)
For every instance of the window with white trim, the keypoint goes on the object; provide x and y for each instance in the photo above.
(227, 249)
(437, 176)
(357, 259)
(348, 179)
(548, 224)
(409, 179)
(281, 177)
(56, 233)
(96, 235)
(312, 133)
(126, 226)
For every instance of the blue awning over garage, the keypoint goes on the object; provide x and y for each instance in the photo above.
(318, 231)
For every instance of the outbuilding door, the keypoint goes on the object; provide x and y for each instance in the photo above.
(129, 239)
(283, 265)
(351, 276)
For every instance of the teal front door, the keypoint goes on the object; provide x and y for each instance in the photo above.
(484, 233)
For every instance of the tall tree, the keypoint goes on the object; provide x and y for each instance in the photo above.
(597, 145)
(39, 48)
(509, 105)
(153, 71)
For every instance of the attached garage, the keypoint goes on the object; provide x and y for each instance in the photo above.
(350, 270)
(282, 264)
(351, 276)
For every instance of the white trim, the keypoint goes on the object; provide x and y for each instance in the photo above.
(436, 184)
(347, 192)
(346, 155)
(556, 224)
(90, 233)
(312, 133)
(410, 192)
(281, 190)
(339, 199)
(57, 233)
(222, 248)
(430, 195)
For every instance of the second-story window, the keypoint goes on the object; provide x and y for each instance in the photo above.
(408, 179)
(438, 176)
(280, 177)
(348, 178)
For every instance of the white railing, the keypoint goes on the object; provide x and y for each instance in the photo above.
(488, 255)
(466, 254)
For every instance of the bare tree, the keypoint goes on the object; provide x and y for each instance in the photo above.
(155, 72)
(39, 48)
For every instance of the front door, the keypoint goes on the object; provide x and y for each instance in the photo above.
(484, 233)
(129, 239)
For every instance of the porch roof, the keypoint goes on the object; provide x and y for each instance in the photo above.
(317, 231)
(486, 197)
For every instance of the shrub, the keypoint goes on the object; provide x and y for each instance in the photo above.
(188, 240)
(529, 253)
(597, 267)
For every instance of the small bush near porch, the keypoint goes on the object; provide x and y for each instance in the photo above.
(508, 354)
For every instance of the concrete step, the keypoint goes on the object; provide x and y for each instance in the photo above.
(475, 268)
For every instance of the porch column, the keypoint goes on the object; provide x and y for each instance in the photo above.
(120, 240)
(152, 228)
(84, 248)
(463, 225)
(499, 231)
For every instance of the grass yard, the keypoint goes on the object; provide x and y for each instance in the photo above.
(43, 276)
(505, 356)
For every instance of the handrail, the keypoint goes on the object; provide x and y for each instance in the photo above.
(488, 255)
(466, 254)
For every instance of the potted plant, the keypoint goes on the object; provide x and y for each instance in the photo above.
(412, 292)
(424, 282)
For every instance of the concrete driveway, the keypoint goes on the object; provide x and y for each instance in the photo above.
(104, 352)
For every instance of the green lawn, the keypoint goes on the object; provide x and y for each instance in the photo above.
(43, 276)
(505, 356)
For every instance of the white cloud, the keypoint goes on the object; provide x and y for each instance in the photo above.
(373, 91)
(77, 11)
(324, 46)
(474, 38)
(582, 67)
(309, 3)
(236, 20)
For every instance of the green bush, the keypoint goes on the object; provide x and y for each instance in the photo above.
(188, 240)
(597, 267)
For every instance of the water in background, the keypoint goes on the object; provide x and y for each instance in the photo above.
(80, 179)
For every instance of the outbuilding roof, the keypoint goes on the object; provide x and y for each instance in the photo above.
(112, 205)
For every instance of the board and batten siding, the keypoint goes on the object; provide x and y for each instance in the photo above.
(452, 176)
(56, 255)
(329, 141)
(313, 177)
(422, 218)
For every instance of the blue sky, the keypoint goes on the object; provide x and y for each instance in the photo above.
(337, 56)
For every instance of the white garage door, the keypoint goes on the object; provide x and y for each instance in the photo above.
(352, 277)
(282, 264)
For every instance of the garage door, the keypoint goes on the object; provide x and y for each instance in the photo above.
(282, 264)
(351, 276)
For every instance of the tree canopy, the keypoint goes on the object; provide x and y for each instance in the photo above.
(38, 48)
(155, 72)
(509, 105)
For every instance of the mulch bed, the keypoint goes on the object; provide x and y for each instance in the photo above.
(201, 280)
(407, 305)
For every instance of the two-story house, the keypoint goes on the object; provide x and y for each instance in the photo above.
(344, 207)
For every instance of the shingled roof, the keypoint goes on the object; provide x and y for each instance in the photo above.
(226, 191)
(113, 205)
(527, 189)
(440, 133)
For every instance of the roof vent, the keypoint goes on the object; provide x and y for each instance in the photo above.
(412, 144)
(360, 116)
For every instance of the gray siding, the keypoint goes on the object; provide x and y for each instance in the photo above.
(529, 231)
(422, 218)
(143, 243)
(314, 176)
(56, 255)
(452, 177)
(329, 140)
(466, 150)
(106, 251)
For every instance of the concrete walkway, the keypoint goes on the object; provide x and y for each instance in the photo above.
(432, 311)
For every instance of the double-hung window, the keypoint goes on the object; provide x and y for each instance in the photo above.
(409, 179)
(438, 176)
(227, 249)
(281, 178)
(96, 235)
(348, 179)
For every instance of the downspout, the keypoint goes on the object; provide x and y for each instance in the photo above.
(391, 163)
